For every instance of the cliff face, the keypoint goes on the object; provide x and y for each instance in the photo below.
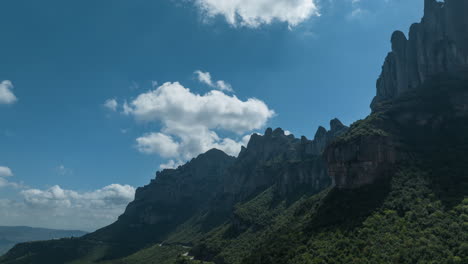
(281, 160)
(361, 162)
(421, 88)
(177, 192)
(405, 129)
(436, 45)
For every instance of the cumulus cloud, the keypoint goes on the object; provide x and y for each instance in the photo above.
(5, 183)
(60, 208)
(159, 143)
(171, 164)
(205, 77)
(176, 106)
(253, 13)
(191, 122)
(5, 172)
(111, 104)
(6, 93)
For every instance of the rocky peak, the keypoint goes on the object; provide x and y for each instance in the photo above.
(336, 128)
(436, 45)
(271, 144)
(321, 133)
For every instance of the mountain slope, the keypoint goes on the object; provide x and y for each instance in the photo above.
(416, 212)
(181, 206)
(11, 235)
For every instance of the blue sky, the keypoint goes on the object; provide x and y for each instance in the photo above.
(92, 90)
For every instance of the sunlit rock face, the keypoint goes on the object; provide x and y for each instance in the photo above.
(436, 45)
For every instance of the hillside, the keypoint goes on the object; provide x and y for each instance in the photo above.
(391, 188)
(11, 235)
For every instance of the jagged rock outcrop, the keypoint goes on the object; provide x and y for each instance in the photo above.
(281, 160)
(422, 86)
(437, 45)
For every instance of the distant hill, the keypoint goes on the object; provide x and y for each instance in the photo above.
(11, 235)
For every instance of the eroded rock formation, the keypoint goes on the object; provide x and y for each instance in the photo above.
(436, 45)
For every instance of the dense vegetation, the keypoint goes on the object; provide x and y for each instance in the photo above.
(419, 215)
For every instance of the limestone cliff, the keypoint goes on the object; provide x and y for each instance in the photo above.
(281, 160)
(423, 86)
(436, 45)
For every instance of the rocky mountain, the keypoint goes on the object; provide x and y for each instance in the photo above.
(391, 188)
(214, 182)
(11, 235)
(203, 193)
(436, 45)
(415, 77)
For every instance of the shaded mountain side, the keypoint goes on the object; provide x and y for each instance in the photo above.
(400, 130)
(181, 205)
(169, 200)
(11, 235)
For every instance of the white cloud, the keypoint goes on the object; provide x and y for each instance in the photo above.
(171, 164)
(253, 13)
(192, 141)
(60, 208)
(175, 106)
(205, 77)
(6, 94)
(5, 172)
(111, 104)
(191, 123)
(159, 143)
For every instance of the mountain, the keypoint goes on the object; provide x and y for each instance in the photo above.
(181, 205)
(439, 44)
(391, 188)
(11, 235)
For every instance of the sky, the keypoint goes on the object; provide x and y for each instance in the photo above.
(96, 96)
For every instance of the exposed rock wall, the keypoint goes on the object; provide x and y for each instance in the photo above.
(361, 161)
(403, 130)
(428, 63)
(438, 44)
(276, 158)
(175, 192)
